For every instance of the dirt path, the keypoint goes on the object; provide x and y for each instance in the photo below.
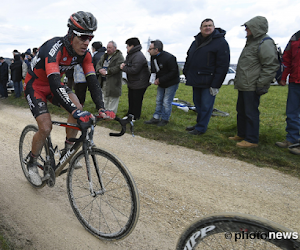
(176, 186)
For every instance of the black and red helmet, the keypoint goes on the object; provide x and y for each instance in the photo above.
(82, 22)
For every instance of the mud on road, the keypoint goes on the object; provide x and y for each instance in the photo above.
(176, 186)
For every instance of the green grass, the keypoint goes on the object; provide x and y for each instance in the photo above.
(4, 244)
(215, 140)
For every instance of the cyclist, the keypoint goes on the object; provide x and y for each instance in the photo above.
(43, 82)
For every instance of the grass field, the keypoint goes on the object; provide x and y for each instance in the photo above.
(215, 140)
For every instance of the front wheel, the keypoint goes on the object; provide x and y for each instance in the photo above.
(112, 210)
(25, 144)
(235, 231)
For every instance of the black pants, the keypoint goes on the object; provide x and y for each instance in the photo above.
(135, 100)
(248, 116)
(80, 91)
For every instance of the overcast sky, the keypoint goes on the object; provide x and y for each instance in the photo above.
(28, 24)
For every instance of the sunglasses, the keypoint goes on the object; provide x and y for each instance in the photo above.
(83, 36)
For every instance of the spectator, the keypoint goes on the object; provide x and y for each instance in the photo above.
(24, 66)
(205, 69)
(98, 50)
(16, 52)
(34, 51)
(3, 78)
(254, 74)
(111, 76)
(16, 75)
(28, 58)
(136, 68)
(164, 69)
(291, 61)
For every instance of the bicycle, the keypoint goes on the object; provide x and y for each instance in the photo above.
(101, 190)
(186, 106)
(236, 231)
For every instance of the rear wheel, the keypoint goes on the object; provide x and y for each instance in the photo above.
(112, 211)
(25, 149)
(234, 231)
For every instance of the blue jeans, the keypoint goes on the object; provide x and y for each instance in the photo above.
(204, 103)
(293, 113)
(248, 116)
(164, 100)
(18, 88)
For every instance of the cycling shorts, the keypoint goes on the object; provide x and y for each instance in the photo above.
(37, 96)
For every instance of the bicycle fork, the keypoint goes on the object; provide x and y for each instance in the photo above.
(88, 169)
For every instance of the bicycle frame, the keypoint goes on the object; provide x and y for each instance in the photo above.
(70, 153)
(53, 170)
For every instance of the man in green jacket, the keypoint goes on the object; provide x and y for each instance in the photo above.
(111, 76)
(256, 70)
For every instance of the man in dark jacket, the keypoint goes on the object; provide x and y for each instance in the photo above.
(165, 75)
(137, 72)
(16, 75)
(205, 69)
(3, 78)
(98, 50)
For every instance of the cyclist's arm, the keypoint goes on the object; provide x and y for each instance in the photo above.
(95, 89)
(60, 93)
(92, 82)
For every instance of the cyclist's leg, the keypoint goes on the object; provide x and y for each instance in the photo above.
(45, 127)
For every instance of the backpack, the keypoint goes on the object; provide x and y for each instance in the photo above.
(279, 57)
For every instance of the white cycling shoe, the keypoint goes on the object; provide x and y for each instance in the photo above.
(33, 172)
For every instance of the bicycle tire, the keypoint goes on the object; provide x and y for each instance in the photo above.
(25, 144)
(112, 215)
(214, 231)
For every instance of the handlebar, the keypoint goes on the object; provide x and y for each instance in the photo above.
(123, 123)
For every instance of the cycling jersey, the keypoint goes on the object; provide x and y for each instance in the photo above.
(43, 82)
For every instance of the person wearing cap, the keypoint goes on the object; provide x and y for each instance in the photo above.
(205, 69)
(255, 71)
(137, 71)
(3, 78)
(165, 74)
(43, 82)
(98, 50)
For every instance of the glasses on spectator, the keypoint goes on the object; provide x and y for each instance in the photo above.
(83, 36)
(151, 48)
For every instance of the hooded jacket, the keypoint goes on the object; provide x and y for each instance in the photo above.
(16, 69)
(207, 63)
(256, 68)
(136, 68)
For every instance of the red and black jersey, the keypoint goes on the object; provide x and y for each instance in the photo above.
(51, 62)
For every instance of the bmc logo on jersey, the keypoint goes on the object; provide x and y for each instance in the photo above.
(55, 48)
